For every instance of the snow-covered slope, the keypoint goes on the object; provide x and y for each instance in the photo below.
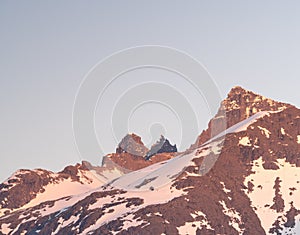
(38, 186)
(274, 193)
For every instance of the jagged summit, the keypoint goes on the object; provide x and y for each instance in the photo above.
(161, 146)
(132, 154)
(249, 102)
(238, 89)
(132, 144)
(239, 105)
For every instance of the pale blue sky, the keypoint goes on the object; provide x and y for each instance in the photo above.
(48, 46)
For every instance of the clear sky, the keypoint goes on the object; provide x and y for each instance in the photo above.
(47, 47)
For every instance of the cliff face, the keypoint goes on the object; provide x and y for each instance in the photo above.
(239, 105)
(245, 180)
(133, 145)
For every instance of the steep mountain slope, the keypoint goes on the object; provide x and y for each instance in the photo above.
(244, 180)
(239, 105)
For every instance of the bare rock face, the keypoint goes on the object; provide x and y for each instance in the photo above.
(22, 187)
(239, 105)
(133, 163)
(133, 145)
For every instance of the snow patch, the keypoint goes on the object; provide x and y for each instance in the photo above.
(130, 221)
(62, 223)
(107, 217)
(5, 228)
(245, 141)
(102, 201)
(235, 217)
(158, 214)
(263, 192)
(265, 131)
(224, 188)
(191, 227)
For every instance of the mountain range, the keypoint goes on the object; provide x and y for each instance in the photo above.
(241, 176)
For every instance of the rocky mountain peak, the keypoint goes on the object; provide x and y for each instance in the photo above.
(132, 154)
(161, 146)
(132, 144)
(238, 89)
(239, 105)
(249, 102)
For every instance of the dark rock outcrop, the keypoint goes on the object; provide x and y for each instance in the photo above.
(161, 146)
